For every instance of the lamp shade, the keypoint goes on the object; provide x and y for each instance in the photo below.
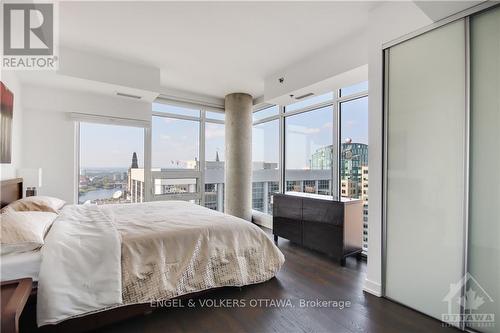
(32, 177)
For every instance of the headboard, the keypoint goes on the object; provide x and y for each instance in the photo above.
(10, 190)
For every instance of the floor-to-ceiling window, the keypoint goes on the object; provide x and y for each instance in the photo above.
(187, 152)
(265, 158)
(214, 164)
(354, 152)
(322, 143)
(175, 152)
(109, 158)
(309, 150)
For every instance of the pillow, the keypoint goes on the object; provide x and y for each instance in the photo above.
(36, 203)
(23, 231)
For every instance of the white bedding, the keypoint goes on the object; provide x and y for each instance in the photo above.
(99, 257)
(20, 265)
(80, 270)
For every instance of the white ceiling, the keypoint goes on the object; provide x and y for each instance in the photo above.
(437, 10)
(210, 48)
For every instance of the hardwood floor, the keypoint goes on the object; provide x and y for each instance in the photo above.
(307, 276)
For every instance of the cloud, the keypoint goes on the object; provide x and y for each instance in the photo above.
(312, 130)
(350, 124)
(169, 120)
(304, 130)
(165, 137)
(212, 133)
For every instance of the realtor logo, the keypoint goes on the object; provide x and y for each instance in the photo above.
(28, 36)
(472, 302)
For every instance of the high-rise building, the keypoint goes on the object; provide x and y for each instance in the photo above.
(353, 157)
(364, 196)
(322, 158)
(134, 161)
(364, 183)
(131, 191)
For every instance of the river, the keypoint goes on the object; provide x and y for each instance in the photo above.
(97, 194)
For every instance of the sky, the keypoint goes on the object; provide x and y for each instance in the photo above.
(176, 141)
(304, 134)
(354, 120)
(265, 142)
(110, 146)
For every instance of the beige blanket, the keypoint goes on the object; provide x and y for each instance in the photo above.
(168, 249)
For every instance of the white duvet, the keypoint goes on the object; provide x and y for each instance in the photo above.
(99, 257)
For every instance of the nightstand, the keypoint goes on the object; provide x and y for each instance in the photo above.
(14, 295)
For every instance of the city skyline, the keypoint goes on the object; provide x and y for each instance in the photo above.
(178, 140)
(255, 162)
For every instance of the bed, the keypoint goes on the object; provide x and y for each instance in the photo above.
(21, 265)
(97, 260)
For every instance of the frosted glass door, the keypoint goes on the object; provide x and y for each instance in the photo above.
(484, 197)
(425, 169)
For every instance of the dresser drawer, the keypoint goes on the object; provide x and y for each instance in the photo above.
(322, 211)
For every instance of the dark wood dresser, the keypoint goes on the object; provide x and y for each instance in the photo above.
(320, 223)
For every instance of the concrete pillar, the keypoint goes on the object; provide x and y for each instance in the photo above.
(238, 124)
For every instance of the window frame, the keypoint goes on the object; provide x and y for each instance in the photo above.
(336, 109)
(149, 175)
(79, 118)
(186, 173)
(335, 174)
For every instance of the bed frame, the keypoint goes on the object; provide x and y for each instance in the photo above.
(12, 190)
(96, 321)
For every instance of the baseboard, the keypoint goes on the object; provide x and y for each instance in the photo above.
(262, 219)
(264, 224)
(373, 288)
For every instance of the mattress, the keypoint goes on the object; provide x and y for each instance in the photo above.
(20, 265)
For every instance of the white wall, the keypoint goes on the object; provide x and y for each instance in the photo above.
(49, 134)
(438, 10)
(10, 79)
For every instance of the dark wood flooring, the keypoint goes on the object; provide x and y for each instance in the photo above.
(305, 275)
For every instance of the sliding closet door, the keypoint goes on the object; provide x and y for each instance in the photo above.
(484, 213)
(425, 146)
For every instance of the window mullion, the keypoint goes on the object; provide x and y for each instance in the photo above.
(282, 166)
(336, 144)
(202, 158)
